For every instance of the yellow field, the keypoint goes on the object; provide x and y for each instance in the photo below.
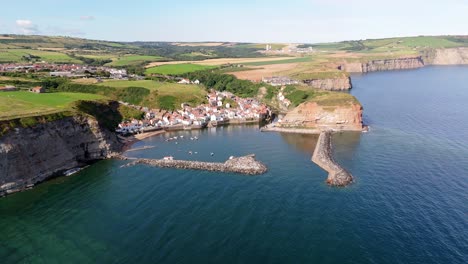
(217, 62)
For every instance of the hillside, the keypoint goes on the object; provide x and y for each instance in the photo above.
(21, 48)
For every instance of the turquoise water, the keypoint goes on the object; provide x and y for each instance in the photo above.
(409, 204)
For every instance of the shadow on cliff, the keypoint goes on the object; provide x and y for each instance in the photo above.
(106, 113)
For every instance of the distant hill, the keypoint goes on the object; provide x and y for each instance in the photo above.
(21, 48)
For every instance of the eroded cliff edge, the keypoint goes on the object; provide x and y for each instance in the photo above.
(331, 111)
(33, 154)
(331, 84)
(383, 65)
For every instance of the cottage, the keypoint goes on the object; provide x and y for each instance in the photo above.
(37, 89)
(184, 81)
(8, 88)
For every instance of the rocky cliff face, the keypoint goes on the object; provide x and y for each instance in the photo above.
(34, 154)
(454, 56)
(331, 84)
(314, 116)
(383, 65)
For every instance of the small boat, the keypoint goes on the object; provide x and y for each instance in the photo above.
(212, 154)
(72, 171)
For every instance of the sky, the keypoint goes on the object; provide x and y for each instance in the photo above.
(291, 21)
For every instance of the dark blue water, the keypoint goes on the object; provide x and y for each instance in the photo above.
(409, 204)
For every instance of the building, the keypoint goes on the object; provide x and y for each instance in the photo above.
(279, 81)
(8, 88)
(37, 89)
(184, 81)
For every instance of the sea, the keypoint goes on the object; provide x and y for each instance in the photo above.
(409, 203)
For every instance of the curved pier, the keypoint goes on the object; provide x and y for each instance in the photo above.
(244, 165)
(323, 156)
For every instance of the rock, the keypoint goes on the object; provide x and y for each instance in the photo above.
(383, 65)
(311, 115)
(453, 56)
(331, 84)
(34, 154)
(244, 165)
(323, 157)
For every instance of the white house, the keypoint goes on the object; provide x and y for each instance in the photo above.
(184, 81)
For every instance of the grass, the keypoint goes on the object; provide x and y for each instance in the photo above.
(16, 55)
(335, 99)
(192, 94)
(330, 99)
(177, 69)
(133, 60)
(21, 103)
(261, 46)
(285, 61)
(320, 75)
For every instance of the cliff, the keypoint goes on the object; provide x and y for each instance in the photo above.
(383, 65)
(331, 84)
(453, 56)
(339, 112)
(30, 155)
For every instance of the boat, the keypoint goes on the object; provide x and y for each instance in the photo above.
(73, 171)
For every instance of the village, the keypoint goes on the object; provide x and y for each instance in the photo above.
(222, 108)
(68, 70)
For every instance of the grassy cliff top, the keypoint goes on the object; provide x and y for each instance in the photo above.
(300, 94)
(335, 99)
(23, 103)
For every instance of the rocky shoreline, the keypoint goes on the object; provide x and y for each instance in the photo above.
(323, 157)
(247, 165)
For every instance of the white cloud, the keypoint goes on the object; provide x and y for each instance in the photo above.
(87, 18)
(27, 26)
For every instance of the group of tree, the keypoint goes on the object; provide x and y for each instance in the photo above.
(225, 82)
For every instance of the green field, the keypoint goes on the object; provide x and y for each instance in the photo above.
(22, 103)
(175, 69)
(192, 94)
(133, 60)
(16, 55)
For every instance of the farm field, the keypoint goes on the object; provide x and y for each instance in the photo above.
(132, 60)
(22, 103)
(256, 74)
(218, 62)
(174, 69)
(16, 55)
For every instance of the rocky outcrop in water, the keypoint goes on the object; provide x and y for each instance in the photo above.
(34, 154)
(330, 84)
(311, 115)
(244, 165)
(383, 65)
(323, 157)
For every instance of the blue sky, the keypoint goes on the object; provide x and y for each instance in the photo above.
(304, 21)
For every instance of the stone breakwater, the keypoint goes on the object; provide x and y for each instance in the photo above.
(323, 157)
(243, 165)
